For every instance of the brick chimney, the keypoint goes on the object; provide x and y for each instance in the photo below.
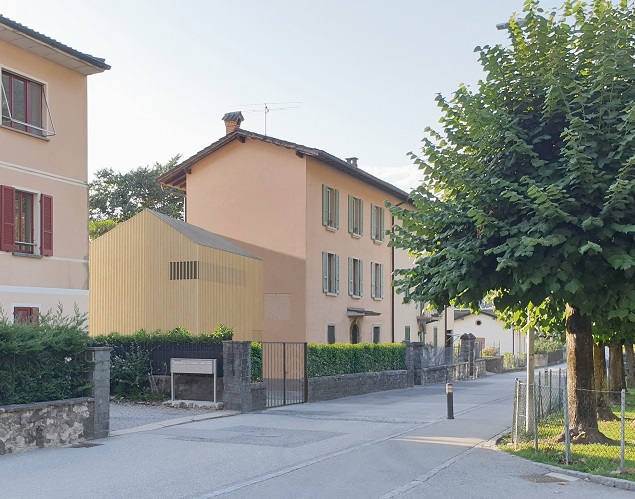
(233, 121)
(352, 162)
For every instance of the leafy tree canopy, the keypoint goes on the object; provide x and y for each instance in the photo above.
(529, 188)
(116, 197)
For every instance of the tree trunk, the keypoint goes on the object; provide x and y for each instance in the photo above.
(583, 421)
(601, 385)
(617, 380)
(630, 366)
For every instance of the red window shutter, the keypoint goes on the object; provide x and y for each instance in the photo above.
(7, 218)
(46, 218)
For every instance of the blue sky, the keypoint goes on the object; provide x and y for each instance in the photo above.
(365, 74)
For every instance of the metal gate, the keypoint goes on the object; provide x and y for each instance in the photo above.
(284, 371)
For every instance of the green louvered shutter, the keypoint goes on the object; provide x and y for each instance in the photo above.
(381, 225)
(337, 275)
(325, 205)
(337, 209)
(351, 211)
(325, 272)
(361, 278)
(361, 217)
(381, 280)
(351, 283)
(372, 280)
(373, 220)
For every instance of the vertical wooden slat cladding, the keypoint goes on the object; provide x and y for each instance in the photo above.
(146, 274)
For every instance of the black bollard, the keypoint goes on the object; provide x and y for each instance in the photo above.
(450, 395)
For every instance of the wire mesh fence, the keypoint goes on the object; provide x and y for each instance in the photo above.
(539, 426)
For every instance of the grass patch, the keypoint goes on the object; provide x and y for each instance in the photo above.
(596, 459)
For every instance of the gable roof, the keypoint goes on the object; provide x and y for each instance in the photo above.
(200, 236)
(177, 176)
(462, 313)
(48, 48)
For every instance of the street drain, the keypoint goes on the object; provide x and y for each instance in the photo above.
(541, 478)
(84, 445)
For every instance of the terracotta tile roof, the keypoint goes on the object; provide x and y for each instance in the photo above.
(176, 177)
(28, 39)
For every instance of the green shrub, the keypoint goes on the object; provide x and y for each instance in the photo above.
(546, 345)
(129, 373)
(490, 351)
(340, 358)
(45, 361)
(256, 362)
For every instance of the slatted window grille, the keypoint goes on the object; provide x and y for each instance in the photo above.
(184, 270)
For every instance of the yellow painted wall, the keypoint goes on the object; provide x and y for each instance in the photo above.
(131, 289)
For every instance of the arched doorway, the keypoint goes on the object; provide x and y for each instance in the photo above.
(355, 333)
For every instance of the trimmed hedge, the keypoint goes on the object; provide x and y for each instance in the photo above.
(256, 362)
(42, 362)
(176, 335)
(340, 358)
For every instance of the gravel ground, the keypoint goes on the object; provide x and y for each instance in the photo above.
(126, 415)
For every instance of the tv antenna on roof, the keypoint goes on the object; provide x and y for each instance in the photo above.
(265, 108)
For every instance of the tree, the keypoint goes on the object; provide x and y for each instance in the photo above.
(529, 188)
(118, 196)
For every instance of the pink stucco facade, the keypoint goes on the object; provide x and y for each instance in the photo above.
(45, 165)
(268, 199)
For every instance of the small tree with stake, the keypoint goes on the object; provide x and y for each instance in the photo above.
(529, 188)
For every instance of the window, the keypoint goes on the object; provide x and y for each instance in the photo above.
(330, 333)
(377, 280)
(355, 216)
(376, 334)
(183, 270)
(408, 333)
(21, 223)
(355, 333)
(23, 104)
(26, 314)
(376, 223)
(330, 273)
(330, 207)
(355, 278)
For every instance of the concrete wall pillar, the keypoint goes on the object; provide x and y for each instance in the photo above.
(410, 363)
(99, 378)
(417, 361)
(237, 376)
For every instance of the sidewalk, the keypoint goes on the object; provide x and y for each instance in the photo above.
(395, 444)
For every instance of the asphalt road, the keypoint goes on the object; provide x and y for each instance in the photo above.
(390, 444)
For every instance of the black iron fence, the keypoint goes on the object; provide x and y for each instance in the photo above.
(161, 353)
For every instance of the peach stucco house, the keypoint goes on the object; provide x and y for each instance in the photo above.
(318, 224)
(43, 173)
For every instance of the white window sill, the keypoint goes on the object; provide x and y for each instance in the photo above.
(355, 235)
(329, 228)
(330, 294)
(378, 241)
(27, 255)
(355, 297)
(378, 299)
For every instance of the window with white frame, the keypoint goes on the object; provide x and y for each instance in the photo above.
(24, 228)
(355, 216)
(330, 207)
(377, 280)
(355, 277)
(24, 105)
(330, 333)
(376, 223)
(330, 273)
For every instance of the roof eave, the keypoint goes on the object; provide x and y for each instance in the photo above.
(48, 48)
